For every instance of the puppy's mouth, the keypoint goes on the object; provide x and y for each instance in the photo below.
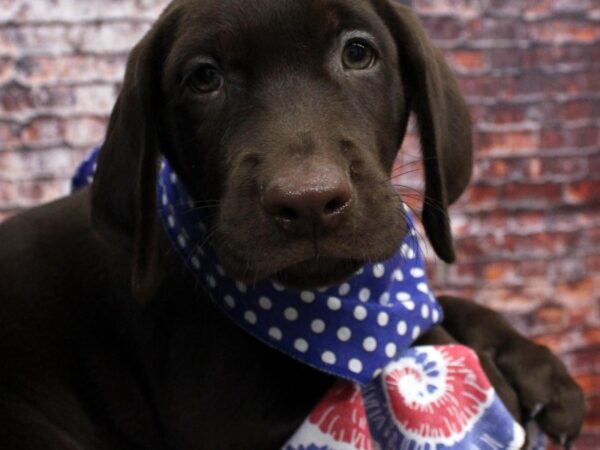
(316, 272)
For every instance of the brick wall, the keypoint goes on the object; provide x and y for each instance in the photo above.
(528, 229)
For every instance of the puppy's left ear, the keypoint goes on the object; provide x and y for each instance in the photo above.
(443, 120)
(124, 188)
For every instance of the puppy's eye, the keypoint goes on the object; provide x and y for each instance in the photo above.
(205, 79)
(358, 55)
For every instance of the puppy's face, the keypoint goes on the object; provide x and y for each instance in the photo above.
(283, 119)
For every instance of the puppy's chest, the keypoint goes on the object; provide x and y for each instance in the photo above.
(221, 388)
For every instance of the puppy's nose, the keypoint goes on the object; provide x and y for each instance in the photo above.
(305, 203)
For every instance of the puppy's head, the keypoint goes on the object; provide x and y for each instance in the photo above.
(283, 120)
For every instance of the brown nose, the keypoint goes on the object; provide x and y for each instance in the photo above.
(305, 203)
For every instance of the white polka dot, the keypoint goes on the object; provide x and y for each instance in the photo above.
(355, 365)
(402, 296)
(384, 299)
(211, 281)
(409, 304)
(364, 294)
(307, 296)
(416, 332)
(165, 200)
(407, 252)
(423, 288)
(290, 314)
(383, 319)
(390, 350)
(265, 303)
(301, 345)
(220, 270)
(344, 334)
(425, 311)
(369, 344)
(250, 317)
(417, 272)
(328, 357)
(275, 333)
(435, 315)
(278, 287)
(360, 271)
(377, 373)
(181, 240)
(173, 178)
(344, 289)
(398, 276)
(378, 270)
(334, 303)
(360, 312)
(229, 301)
(241, 286)
(318, 326)
(402, 328)
(195, 262)
(171, 221)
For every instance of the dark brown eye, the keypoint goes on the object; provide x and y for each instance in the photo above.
(206, 78)
(358, 55)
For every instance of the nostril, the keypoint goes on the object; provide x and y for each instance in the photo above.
(336, 205)
(287, 214)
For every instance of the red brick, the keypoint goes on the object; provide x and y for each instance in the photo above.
(551, 138)
(561, 31)
(589, 382)
(10, 135)
(551, 316)
(537, 9)
(44, 131)
(492, 143)
(479, 196)
(32, 192)
(578, 109)
(461, 8)
(14, 99)
(469, 61)
(8, 192)
(72, 69)
(583, 192)
(576, 294)
(531, 193)
(503, 273)
(532, 269)
(443, 29)
(7, 70)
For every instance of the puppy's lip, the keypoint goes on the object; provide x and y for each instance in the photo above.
(317, 272)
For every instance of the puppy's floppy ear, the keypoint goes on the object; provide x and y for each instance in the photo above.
(124, 187)
(443, 120)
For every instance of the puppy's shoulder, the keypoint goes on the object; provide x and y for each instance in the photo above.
(50, 255)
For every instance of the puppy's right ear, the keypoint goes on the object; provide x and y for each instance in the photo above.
(124, 187)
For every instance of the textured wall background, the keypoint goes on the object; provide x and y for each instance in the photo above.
(528, 229)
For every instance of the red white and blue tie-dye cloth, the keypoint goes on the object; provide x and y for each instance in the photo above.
(390, 396)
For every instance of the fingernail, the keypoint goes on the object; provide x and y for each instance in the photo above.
(536, 410)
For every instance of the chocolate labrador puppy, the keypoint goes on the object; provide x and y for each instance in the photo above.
(283, 118)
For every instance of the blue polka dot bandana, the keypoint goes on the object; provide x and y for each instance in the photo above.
(352, 330)
(389, 396)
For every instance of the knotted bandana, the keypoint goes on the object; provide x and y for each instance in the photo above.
(389, 396)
